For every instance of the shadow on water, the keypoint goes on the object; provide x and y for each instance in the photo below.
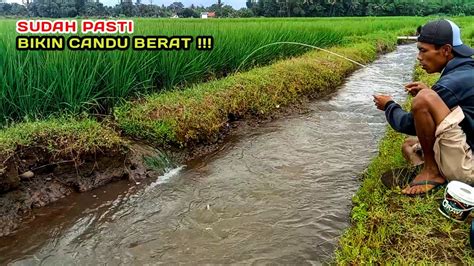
(279, 194)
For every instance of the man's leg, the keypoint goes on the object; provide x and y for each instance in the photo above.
(428, 111)
(410, 153)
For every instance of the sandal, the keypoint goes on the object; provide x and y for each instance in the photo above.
(437, 185)
(399, 177)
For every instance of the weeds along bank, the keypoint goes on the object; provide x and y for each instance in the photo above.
(391, 228)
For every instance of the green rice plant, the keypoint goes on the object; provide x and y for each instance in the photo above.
(38, 83)
(198, 114)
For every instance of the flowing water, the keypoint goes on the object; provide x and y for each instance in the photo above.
(281, 193)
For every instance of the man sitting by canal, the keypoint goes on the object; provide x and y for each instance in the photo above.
(442, 117)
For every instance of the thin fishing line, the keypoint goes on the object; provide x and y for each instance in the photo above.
(317, 48)
(333, 53)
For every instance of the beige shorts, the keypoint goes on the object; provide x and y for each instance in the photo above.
(452, 153)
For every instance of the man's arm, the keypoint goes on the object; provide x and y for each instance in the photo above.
(398, 119)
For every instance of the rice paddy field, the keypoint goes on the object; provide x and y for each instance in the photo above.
(181, 96)
(36, 84)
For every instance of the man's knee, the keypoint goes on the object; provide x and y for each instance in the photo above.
(424, 99)
(428, 101)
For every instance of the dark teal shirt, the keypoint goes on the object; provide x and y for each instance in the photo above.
(455, 87)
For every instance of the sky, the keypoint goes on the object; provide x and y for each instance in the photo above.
(236, 4)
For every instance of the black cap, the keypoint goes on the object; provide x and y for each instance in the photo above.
(443, 31)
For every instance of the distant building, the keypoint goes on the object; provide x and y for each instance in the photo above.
(2, 1)
(174, 16)
(208, 14)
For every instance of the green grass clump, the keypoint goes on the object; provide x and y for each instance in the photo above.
(62, 137)
(388, 227)
(198, 114)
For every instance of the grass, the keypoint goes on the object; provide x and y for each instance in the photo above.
(388, 227)
(38, 83)
(200, 113)
(186, 116)
(36, 146)
(62, 137)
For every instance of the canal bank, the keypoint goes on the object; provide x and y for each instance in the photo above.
(277, 192)
(388, 227)
(44, 161)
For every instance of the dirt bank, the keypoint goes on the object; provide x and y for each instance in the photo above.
(44, 161)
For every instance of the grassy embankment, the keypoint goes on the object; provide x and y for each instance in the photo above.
(388, 227)
(198, 114)
(39, 83)
(37, 145)
(49, 151)
(36, 84)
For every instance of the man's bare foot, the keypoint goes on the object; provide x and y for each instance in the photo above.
(426, 175)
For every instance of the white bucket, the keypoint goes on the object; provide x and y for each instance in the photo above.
(458, 201)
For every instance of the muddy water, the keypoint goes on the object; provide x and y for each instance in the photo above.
(281, 193)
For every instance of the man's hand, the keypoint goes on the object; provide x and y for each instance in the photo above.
(381, 100)
(414, 87)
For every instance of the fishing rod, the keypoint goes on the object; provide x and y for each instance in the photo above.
(320, 49)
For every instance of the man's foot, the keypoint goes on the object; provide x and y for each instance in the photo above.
(424, 182)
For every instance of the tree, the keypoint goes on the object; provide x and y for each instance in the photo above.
(128, 9)
(18, 10)
(353, 8)
(47, 8)
(176, 7)
(92, 9)
(249, 4)
(188, 13)
(68, 9)
(258, 9)
(244, 13)
(80, 5)
(271, 8)
(224, 11)
(228, 11)
(314, 9)
(267, 8)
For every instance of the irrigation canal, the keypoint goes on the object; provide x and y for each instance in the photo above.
(281, 193)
